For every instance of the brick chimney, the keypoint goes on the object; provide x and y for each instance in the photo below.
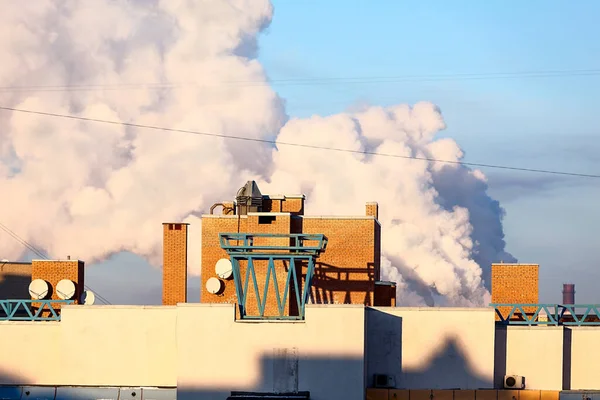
(174, 263)
(373, 209)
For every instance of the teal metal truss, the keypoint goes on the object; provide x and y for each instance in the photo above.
(555, 314)
(23, 310)
(297, 248)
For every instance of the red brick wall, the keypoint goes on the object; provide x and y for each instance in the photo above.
(53, 271)
(344, 274)
(515, 283)
(174, 263)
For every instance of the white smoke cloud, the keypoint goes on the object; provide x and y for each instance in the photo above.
(90, 190)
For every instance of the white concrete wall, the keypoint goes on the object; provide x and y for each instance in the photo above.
(97, 345)
(585, 358)
(536, 352)
(432, 348)
(325, 354)
(29, 352)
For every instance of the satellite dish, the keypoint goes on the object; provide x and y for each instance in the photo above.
(88, 298)
(65, 289)
(223, 268)
(214, 285)
(38, 289)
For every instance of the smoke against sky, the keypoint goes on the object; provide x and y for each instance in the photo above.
(91, 190)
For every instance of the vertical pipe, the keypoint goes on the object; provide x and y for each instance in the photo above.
(568, 293)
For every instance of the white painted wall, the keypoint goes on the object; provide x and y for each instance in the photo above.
(217, 355)
(28, 351)
(536, 352)
(585, 356)
(202, 350)
(432, 348)
(92, 345)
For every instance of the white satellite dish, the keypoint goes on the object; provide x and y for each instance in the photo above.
(214, 285)
(223, 268)
(65, 289)
(38, 289)
(88, 298)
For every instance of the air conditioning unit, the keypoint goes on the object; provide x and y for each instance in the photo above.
(514, 382)
(384, 381)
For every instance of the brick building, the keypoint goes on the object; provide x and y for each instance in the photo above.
(346, 272)
(515, 283)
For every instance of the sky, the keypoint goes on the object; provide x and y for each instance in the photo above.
(529, 122)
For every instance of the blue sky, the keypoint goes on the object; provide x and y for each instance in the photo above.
(543, 123)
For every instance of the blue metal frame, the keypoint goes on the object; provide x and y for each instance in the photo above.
(556, 314)
(10, 308)
(298, 250)
(297, 243)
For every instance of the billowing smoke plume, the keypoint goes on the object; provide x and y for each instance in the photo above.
(91, 190)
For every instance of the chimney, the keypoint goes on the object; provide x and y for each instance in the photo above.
(174, 263)
(373, 210)
(568, 293)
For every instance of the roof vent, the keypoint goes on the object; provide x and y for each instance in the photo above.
(249, 198)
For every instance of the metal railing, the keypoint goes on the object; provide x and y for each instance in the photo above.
(31, 310)
(548, 314)
(296, 243)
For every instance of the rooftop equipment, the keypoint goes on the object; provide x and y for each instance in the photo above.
(249, 199)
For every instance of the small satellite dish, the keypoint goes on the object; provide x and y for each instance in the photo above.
(88, 298)
(65, 289)
(223, 268)
(38, 289)
(214, 285)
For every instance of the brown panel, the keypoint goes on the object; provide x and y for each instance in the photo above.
(464, 395)
(486, 395)
(420, 395)
(443, 394)
(508, 394)
(399, 394)
(529, 395)
(377, 394)
(549, 394)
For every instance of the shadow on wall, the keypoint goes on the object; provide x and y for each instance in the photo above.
(448, 368)
(286, 371)
(14, 287)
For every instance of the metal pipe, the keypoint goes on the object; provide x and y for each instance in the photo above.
(568, 293)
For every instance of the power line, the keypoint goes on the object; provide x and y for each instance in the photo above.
(308, 81)
(40, 254)
(278, 143)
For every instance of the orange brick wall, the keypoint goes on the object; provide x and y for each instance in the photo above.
(174, 263)
(344, 274)
(53, 271)
(373, 210)
(286, 204)
(14, 280)
(515, 283)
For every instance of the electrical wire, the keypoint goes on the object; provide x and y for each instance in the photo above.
(279, 143)
(40, 254)
(308, 81)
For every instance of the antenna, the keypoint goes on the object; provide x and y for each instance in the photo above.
(214, 285)
(88, 298)
(39, 289)
(223, 268)
(65, 289)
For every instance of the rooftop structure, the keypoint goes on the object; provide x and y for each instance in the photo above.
(264, 251)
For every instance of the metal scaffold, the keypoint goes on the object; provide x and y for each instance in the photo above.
(247, 249)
